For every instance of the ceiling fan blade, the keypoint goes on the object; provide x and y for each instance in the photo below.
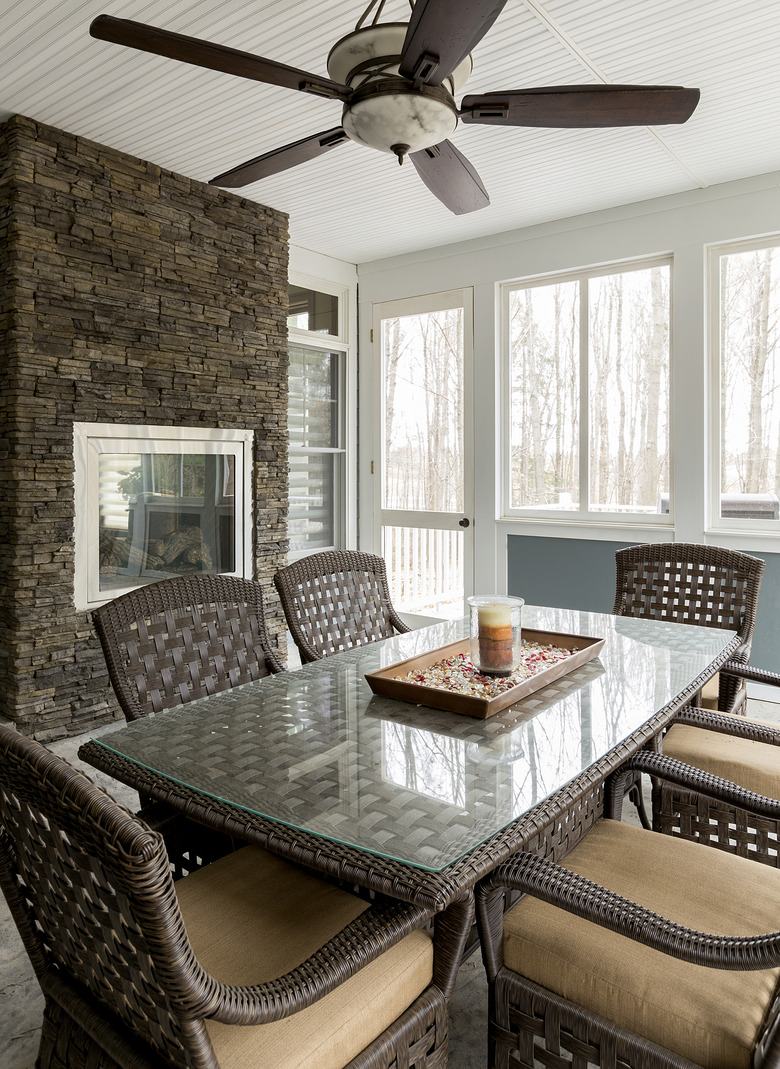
(280, 159)
(582, 106)
(215, 57)
(441, 33)
(451, 178)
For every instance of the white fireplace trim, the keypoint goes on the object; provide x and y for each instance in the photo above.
(92, 439)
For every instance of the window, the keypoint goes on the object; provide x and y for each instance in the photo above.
(316, 449)
(311, 310)
(588, 394)
(316, 421)
(422, 411)
(748, 404)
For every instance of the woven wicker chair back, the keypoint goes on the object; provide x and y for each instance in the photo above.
(90, 890)
(183, 638)
(690, 584)
(336, 600)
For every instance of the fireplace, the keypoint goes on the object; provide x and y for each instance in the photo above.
(154, 502)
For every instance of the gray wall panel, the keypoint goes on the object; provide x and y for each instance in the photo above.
(765, 646)
(572, 573)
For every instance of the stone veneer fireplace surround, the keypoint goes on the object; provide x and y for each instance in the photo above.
(128, 295)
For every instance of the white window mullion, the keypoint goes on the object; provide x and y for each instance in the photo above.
(584, 399)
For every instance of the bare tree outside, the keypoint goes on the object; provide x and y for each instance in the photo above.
(422, 417)
(624, 346)
(750, 378)
(425, 762)
(545, 395)
(423, 406)
(629, 390)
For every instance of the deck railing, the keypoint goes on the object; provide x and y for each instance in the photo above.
(425, 568)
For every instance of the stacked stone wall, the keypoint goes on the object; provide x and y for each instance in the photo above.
(130, 295)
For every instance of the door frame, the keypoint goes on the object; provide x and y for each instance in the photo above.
(372, 421)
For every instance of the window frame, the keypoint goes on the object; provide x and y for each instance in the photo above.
(717, 524)
(344, 504)
(447, 521)
(90, 440)
(530, 514)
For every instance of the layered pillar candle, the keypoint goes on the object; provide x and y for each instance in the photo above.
(495, 634)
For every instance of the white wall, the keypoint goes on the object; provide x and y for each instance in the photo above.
(327, 268)
(684, 226)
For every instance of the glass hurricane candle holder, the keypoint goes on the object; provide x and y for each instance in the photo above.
(495, 633)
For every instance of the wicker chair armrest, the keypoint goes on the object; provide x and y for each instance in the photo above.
(667, 768)
(396, 621)
(377, 929)
(728, 725)
(273, 662)
(307, 652)
(560, 887)
(746, 671)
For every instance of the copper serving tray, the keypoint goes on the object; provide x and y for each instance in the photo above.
(387, 681)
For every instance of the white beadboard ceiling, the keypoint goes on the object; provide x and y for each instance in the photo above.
(359, 205)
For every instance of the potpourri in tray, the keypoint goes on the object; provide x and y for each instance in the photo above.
(458, 674)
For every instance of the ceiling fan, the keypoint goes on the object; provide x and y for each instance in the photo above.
(397, 84)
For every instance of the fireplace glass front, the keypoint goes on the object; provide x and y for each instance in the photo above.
(156, 502)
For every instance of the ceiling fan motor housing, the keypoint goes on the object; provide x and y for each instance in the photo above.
(386, 111)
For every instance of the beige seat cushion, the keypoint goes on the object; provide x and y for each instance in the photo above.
(710, 1016)
(251, 918)
(709, 693)
(752, 765)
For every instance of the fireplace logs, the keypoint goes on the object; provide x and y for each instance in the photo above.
(183, 550)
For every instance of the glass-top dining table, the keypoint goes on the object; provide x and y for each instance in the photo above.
(406, 800)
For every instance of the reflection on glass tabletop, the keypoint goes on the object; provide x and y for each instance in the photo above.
(316, 750)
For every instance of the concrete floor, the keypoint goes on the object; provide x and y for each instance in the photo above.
(21, 1003)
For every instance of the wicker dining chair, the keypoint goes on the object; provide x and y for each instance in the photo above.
(176, 640)
(249, 963)
(170, 642)
(691, 584)
(336, 600)
(636, 950)
(737, 748)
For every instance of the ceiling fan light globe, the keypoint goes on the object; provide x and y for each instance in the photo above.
(384, 120)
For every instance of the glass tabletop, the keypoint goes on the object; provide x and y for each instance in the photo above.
(314, 748)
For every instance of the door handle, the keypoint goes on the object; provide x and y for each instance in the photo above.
(464, 522)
